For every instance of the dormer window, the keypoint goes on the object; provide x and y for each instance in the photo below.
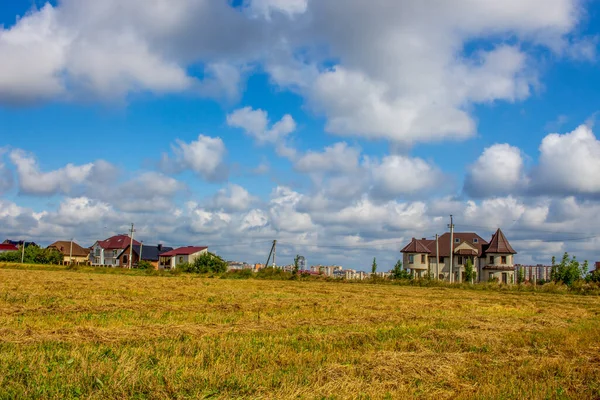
(475, 240)
(457, 240)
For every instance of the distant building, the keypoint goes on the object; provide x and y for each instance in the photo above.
(173, 258)
(19, 243)
(535, 273)
(143, 252)
(493, 260)
(8, 247)
(301, 263)
(106, 252)
(72, 252)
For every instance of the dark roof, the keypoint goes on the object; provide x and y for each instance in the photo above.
(64, 246)
(149, 253)
(416, 246)
(117, 242)
(499, 244)
(183, 251)
(444, 244)
(19, 243)
(8, 247)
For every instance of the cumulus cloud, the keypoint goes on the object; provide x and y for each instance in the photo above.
(233, 198)
(401, 175)
(256, 124)
(497, 172)
(60, 181)
(394, 70)
(267, 7)
(204, 156)
(568, 164)
(338, 157)
(108, 50)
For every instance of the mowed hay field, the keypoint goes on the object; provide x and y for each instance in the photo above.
(67, 334)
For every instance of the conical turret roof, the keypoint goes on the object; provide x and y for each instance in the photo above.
(499, 244)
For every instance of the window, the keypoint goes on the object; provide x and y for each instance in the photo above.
(475, 240)
(503, 259)
(180, 259)
(460, 260)
(411, 259)
(124, 259)
(422, 258)
(97, 251)
(491, 259)
(456, 240)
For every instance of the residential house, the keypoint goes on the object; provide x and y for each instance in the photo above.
(106, 252)
(144, 252)
(491, 260)
(8, 247)
(72, 252)
(173, 258)
(19, 243)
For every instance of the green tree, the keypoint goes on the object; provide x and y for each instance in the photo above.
(469, 271)
(521, 276)
(205, 263)
(374, 266)
(296, 265)
(398, 272)
(568, 270)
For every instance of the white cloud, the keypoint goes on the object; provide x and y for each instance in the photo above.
(256, 124)
(497, 172)
(568, 164)
(6, 175)
(233, 198)
(267, 7)
(401, 175)
(63, 180)
(338, 157)
(204, 156)
(81, 210)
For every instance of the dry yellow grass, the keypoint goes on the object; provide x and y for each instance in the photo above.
(70, 334)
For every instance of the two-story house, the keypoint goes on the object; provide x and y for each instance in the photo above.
(106, 252)
(491, 260)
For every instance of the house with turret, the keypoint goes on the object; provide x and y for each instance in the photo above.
(493, 260)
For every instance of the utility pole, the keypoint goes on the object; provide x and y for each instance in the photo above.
(451, 226)
(23, 252)
(274, 252)
(141, 248)
(71, 252)
(271, 253)
(437, 256)
(131, 246)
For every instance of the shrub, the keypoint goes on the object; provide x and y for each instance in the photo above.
(145, 265)
(204, 264)
(272, 273)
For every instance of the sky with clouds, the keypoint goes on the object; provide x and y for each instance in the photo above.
(340, 131)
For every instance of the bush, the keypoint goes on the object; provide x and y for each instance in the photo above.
(238, 274)
(33, 255)
(145, 265)
(204, 264)
(272, 273)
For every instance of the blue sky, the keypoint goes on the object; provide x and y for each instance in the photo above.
(425, 112)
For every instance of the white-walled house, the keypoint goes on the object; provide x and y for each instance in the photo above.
(493, 260)
(106, 252)
(173, 258)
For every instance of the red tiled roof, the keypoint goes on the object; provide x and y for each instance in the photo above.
(8, 247)
(499, 244)
(416, 246)
(183, 251)
(117, 242)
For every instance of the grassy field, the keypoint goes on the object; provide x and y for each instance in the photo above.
(66, 334)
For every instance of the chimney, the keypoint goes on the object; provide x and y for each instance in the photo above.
(424, 239)
(159, 247)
